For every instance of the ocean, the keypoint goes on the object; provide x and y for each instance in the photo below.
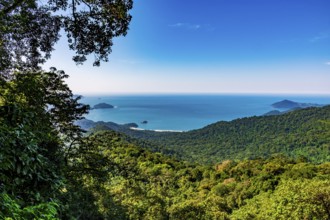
(186, 112)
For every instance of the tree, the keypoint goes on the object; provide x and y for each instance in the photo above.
(37, 108)
(29, 29)
(37, 114)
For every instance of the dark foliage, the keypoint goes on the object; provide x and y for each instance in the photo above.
(29, 29)
(37, 132)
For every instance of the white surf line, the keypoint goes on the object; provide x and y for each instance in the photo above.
(157, 130)
(137, 129)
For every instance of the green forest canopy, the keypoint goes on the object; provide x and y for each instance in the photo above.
(301, 133)
(48, 170)
(139, 184)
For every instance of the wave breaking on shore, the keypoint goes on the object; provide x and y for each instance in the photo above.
(156, 130)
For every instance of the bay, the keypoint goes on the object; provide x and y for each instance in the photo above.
(186, 112)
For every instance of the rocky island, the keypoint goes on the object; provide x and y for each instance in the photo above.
(287, 104)
(102, 106)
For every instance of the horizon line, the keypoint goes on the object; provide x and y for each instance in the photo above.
(199, 93)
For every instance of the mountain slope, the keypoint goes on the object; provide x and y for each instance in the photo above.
(134, 183)
(304, 132)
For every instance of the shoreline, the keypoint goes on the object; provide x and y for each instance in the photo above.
(156, 130)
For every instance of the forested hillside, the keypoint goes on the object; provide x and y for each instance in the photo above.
(301, 133)
(130, 182)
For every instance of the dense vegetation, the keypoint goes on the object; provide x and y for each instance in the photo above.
(38, 137)
(107, 176)
(37, 111)
(300, 133)
(48, 170)
(139, 184)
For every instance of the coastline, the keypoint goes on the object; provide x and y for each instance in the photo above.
(156, 130)
(176, 113)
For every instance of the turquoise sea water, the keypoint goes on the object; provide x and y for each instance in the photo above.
(186, 112)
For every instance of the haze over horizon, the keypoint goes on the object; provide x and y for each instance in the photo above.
(212, 46)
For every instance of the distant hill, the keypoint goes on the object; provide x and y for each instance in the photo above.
(93, 126)
(288, 104)
(277, 112)
(273, 112)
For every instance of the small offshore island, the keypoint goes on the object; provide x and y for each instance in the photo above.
(102, 106)
(289, 105)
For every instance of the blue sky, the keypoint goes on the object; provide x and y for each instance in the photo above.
(213, 46)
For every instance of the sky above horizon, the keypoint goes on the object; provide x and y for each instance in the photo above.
(212, 46)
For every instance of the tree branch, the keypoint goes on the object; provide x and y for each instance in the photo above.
(90, 7)
(9, 9)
